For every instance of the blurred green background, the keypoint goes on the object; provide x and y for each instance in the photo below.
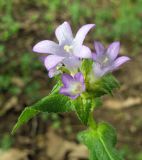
(23, 79)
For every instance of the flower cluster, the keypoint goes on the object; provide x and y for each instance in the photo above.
(66, 58)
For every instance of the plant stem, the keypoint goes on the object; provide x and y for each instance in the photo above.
(91, 122)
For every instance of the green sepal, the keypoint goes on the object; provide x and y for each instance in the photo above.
(100, 142)
(53, 103)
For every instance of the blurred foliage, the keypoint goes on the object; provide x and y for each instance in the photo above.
(126, 151)
(6, 142)
(9, 26)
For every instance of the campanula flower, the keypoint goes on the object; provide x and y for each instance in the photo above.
(69, 50)
(107, 60)
(72, 86)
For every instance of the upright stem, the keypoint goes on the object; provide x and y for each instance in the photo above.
(91, 122)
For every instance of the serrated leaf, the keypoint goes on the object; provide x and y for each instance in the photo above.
(83, 109)
(105, 85)
(52, 103)
(25, 116)
(56, 88)
(86, 66)
(100, 142)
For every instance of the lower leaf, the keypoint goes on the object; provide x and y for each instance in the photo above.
(100, 142)
(52, 103)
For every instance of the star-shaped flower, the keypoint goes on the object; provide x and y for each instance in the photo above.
(106, 60)
(72, 86)
(69, 50)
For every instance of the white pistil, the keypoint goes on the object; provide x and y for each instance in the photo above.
(76, 88)
(68, 48)
(105, 60)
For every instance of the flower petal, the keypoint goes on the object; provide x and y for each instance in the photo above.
(67, 79)
(98, 71)
(99, 48)
(52, 60)
(82, 32)
(79, 77)
(46, 46)
(83, 52)
(64, 33)
(53, 72)
(113, 50)
(66, 92)
(119, 61)
(72, 63)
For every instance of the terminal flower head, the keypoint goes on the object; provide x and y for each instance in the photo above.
(69, 48)
(107, 60)
(72, 86)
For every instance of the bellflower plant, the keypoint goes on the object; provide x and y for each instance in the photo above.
(84, 78)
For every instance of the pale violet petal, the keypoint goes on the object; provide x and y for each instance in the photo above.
(113, 50)
(98, 71)
(83, 52)
(82, 32)
(72, 63)
(94, 56)
(99, 48)
(119, 61)
(67, 92)
(47, 46)
(67, 79)
(79, 77)
(52, 60)
(64, 33)
(53, 72)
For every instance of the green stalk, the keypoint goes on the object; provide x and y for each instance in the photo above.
(91, 122)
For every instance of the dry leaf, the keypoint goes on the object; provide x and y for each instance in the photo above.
(14, 154)
(61, 149)
(119, 104)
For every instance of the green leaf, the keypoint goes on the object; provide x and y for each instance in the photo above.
(105, 85)
(86, 66)
(52, 103)
(56, 88)
(25, 116)
(83, 109)
(100, 142)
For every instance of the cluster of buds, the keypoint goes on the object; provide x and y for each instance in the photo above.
(66, 59)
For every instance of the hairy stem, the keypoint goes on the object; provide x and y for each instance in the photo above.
(91, 122)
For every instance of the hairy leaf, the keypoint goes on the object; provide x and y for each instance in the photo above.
(83, 109)
(86, 66)
(105, 85)
(52, 103)
(56, 88)
(100, 142)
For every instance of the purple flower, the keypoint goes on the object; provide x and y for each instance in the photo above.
(68, 51)
(72, 86)
(106, 60)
